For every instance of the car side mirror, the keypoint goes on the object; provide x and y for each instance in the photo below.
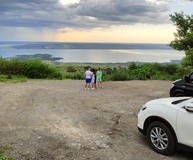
(189, 107)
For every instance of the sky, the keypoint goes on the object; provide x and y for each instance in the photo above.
(116, 21)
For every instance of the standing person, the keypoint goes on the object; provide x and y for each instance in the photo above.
(99, 74)
(93, 81)
(88, 77)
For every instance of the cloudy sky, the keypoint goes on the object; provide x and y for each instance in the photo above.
(123, 21)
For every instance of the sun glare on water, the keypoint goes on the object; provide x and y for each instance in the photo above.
(67, 2)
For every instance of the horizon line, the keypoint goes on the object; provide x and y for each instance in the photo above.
(81, 42)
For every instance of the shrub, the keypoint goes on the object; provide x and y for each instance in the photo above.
(132, 66)
(119, 76)
(70, 69)
(32, 68)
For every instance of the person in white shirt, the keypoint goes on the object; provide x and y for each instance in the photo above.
(88, 77)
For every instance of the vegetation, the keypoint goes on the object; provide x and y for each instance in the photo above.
(31, 68)
(12, 78)
(184, 37)
(20, 71)
(2, 157)
(145, 71)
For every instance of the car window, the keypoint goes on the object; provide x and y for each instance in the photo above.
(179, 101)
(190, 77)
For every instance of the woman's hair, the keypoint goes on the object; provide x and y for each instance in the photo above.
(93, 70)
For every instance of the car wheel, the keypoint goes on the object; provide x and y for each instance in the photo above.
(161, 138)
(179, 95)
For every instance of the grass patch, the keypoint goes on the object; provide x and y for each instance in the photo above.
(2, 156)
(12, 79)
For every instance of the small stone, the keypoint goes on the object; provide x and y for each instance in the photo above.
(110, 133)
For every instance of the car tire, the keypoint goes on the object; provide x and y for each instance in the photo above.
(161, 138)
(179, 95)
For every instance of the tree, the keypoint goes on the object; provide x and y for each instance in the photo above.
(184, 37)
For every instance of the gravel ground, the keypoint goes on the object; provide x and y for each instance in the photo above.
(60, 120)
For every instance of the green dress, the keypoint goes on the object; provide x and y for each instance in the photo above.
(99, 76)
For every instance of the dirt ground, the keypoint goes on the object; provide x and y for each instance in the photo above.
(60, 120)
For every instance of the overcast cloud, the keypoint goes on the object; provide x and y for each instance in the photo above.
(85, 14)
(30, 18)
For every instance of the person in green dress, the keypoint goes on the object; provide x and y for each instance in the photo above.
(99, 74)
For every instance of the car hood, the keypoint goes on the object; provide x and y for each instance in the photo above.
(170, 101)
(178, 81)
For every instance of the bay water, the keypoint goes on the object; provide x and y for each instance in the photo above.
(107, 55)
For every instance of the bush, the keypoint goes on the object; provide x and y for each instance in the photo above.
(119, 77)
(132, 66)
(70, 69)
(32, 68)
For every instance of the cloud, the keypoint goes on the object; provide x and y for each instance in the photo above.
(122, 12)
(85, 14)
(31, 13)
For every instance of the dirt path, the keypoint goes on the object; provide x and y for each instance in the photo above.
(59, 120)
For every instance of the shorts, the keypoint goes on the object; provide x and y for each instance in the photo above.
(88, 80)
(99, 79)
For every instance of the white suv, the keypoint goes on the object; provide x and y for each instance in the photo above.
(168, 124)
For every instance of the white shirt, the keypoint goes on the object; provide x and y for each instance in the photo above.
(88, 74)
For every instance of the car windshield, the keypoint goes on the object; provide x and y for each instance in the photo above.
(179, 101)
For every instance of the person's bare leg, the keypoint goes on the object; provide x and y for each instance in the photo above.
(95, 85)
(98, 85)
(88, 86)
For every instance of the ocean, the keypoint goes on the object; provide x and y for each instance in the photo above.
(92, 52)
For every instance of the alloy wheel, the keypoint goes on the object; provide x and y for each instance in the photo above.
(159, 138)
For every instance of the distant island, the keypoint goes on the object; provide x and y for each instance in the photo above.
(44, 57)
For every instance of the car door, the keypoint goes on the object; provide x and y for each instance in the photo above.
(188, 89)
(185, 125)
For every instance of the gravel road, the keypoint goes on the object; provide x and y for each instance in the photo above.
(60, 120)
